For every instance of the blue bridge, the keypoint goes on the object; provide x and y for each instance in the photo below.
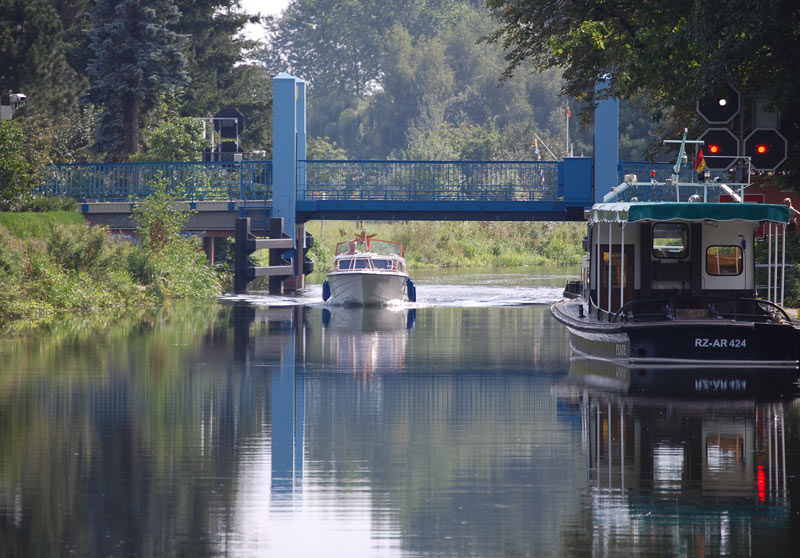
(408, 190)
(297, 190)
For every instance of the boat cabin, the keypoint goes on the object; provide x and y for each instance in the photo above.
(368, 253)
(695, 255)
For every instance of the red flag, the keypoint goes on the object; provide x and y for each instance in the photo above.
(569, 112)
(700, 162)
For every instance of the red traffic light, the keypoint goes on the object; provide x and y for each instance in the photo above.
(766, 148)
(721, 148)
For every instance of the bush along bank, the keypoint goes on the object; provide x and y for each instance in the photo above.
(72, 266)
(445, 244)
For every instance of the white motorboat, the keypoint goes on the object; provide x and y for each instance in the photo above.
(368, 271)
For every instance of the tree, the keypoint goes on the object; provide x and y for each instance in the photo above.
(136, 58)
(176, 139)
(33, 57)
(219, 71)
(668, 53)
(16, 173)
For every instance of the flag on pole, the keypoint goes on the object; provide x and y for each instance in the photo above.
(536, 149)
(700, 162)
(569, 112)
(541, 174)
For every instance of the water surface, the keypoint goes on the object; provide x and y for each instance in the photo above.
(281, 426)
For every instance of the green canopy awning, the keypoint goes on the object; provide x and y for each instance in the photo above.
(627, 212)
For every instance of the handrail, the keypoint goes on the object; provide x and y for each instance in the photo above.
(650, 300)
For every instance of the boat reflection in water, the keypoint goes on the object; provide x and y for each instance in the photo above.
(686, 382)
(365, 339)
(712, 472)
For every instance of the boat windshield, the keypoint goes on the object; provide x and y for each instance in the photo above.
(379, 264)
(383, 247)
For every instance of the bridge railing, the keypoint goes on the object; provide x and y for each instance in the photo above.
(428, 180)
(196, 181)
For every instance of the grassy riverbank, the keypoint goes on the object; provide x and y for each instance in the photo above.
(54, 262)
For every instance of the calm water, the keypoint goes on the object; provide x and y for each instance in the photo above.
(277, 426)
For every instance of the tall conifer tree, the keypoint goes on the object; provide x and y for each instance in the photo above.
(136, 57)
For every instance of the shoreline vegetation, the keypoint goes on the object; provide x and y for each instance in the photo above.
(54, 262)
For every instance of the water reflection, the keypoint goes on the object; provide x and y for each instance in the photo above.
(676, 381)
(683, 476)
(364, 340)
(274, 337)
(249, 431)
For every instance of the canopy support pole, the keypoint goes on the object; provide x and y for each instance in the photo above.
(610, 259)
(622, 268)
(769, 260)
(783, 264)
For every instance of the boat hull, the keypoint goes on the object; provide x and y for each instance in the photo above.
(712, 343)
(367, 288)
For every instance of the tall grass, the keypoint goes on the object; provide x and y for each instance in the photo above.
(445, 244)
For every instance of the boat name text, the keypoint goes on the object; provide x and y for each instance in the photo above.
(732, 343)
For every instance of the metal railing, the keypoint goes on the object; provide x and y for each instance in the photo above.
(429, 180)
(196, 181)
(524, 181)
(710, 307)
(662, 190)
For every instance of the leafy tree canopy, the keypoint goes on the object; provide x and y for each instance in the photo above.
(668, 54)
(136, 58)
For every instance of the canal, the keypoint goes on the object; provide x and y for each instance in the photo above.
(279, 426)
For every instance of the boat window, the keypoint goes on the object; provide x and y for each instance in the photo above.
(724, 260)
(381, 263)
(616, 270)
(345, 263)
(670, 240)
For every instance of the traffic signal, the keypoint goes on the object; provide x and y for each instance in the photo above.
(720, 109)
(766, 148)
(720, 148)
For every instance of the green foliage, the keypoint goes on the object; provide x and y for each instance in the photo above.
(665, 54)
(445, 244)
(37, 225)
(166, 262)
(17, 175)
(54, 261)
(157, 221)
(135, 59)
(47, 204)
(426, 90)
(324, 149)
(177, 139)
(34, 54)
(792, 279)
(69, 267)
(219, 69)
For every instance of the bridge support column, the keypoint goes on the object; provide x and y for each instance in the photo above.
(606, 142)
(289, 147)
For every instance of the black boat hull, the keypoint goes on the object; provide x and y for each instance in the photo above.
(707, 342)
